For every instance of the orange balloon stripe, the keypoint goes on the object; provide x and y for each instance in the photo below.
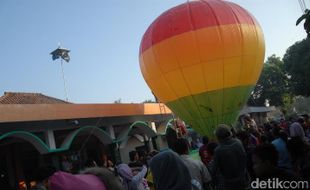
(204, 60)
(193, 16)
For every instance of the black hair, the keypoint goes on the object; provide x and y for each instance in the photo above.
(243, 135)
(296, 146)
(205, 140)
(267, 152)
(223, 132)
(283, 136)
(45, 172)
(181, 146)
(300, 120)
(132, 155)
(267, 126)
(211, 147)
(264, 138)
(89, 163)
(276, 131)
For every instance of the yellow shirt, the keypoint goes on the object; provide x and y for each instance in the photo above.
(150, 181)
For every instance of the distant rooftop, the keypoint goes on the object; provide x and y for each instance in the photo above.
(250, 109)
(29, 98)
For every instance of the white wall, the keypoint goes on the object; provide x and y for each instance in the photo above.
(131, 145)
(161, 142)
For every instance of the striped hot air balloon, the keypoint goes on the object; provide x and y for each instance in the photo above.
(203, 59)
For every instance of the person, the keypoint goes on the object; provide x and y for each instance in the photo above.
(107, 163)
(249, 122)
(42, 175)
(283, 124)
(90, 163)
(66, 164)
(215, 178)
(134, 160)
(306, 124)
(265, 160)
(149, 176)
(181, 128)
(110, 165)
(143, 156)
(248, 145)
(229, 161)
(130, 181)
(203, 153)
(169, 172)
(107, 176)
(171, 136)
(280, 145)
(90, 179)
(300, 155)
(197, 169)
(297, 130)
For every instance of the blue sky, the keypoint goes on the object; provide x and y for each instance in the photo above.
(104, 39)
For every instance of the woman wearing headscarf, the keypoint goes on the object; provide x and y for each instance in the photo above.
(130, 181)
(169, 172)
(90, 179)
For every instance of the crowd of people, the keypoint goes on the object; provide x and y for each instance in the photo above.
(230, 161)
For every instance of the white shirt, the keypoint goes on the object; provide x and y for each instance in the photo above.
(296, 130)
(196, 169)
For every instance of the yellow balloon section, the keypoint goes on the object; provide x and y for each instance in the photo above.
(203, 59)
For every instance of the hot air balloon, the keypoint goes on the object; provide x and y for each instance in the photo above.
(203, 59)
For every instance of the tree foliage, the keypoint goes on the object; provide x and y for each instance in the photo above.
(272, 84)
(300, 105)
(149, 101)
(297, 66)
(118, 101)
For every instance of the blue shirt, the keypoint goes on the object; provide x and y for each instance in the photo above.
(283, 161)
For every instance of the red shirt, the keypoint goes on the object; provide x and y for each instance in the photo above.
(204, 155)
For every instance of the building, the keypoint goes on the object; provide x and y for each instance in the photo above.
(38, 130)
(259, 114)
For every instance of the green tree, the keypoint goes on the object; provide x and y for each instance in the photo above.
(272, 84)
(148, 101)
(118, 101)
(297, 67)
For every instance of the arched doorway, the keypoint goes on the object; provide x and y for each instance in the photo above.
(135, 137)
(20, 155)
(84, 145)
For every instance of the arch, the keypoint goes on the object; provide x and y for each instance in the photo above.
(29, 137)
(138, 127)
(100, 134)
(168, 124)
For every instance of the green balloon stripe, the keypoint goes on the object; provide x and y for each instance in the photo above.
(206, 110)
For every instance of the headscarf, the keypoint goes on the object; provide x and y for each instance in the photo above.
(67, 181)
(125, 171)
(131, 182)
(169, 172)
(108, 177)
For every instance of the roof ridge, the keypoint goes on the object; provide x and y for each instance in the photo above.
(29, 98)
(8, 93)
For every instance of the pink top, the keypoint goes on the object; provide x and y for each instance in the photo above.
(66, 181)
